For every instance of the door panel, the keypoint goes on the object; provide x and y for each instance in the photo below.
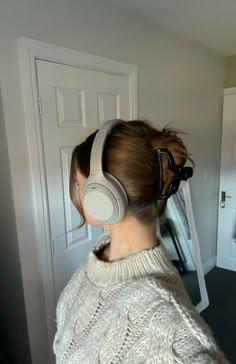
(74, 103)
(226, 246)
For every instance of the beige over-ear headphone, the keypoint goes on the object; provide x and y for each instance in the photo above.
(104, 197)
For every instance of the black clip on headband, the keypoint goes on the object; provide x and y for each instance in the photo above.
(181, 173)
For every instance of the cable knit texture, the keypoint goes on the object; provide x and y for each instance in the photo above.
(134, 310)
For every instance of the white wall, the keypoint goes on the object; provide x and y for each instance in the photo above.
(179, 81)
(14, 344)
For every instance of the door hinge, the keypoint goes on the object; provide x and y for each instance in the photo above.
(40, 105)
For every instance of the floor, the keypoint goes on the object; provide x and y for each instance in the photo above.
(221, 314)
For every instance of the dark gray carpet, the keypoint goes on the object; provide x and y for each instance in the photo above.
(221, 314)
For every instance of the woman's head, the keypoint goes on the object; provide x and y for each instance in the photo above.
(129, 156)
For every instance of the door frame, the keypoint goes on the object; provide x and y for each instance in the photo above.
(29, 51)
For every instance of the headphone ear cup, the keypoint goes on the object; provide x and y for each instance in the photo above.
(104, 198)
(120, 194)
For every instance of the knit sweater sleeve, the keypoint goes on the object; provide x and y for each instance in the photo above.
(198, 348)
(182, 338)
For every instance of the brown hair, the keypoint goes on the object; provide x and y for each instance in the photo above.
(129, 156)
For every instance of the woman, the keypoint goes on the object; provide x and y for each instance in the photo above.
(127, 303)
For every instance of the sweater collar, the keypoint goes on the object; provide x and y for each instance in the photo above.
(146, 262)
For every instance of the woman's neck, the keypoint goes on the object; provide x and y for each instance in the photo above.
(129, 237)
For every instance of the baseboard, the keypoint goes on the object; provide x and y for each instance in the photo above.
(209, 265)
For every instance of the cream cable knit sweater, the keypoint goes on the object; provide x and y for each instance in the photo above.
(134, 310)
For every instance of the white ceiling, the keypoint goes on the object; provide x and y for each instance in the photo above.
(210, 22)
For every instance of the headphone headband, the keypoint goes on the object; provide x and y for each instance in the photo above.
(98, 146)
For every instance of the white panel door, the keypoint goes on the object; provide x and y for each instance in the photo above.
(74, 102)
(226, 246)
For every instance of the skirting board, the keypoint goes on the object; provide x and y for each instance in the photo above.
(209, 265)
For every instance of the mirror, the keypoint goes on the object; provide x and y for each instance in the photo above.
(179, 236)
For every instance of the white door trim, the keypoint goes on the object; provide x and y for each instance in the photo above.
(29, 51)
(230, 90)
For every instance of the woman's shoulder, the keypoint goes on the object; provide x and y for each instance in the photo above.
(153, 297)
(159, 287)
(180, 331)
(166, 294)
(172, 323)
